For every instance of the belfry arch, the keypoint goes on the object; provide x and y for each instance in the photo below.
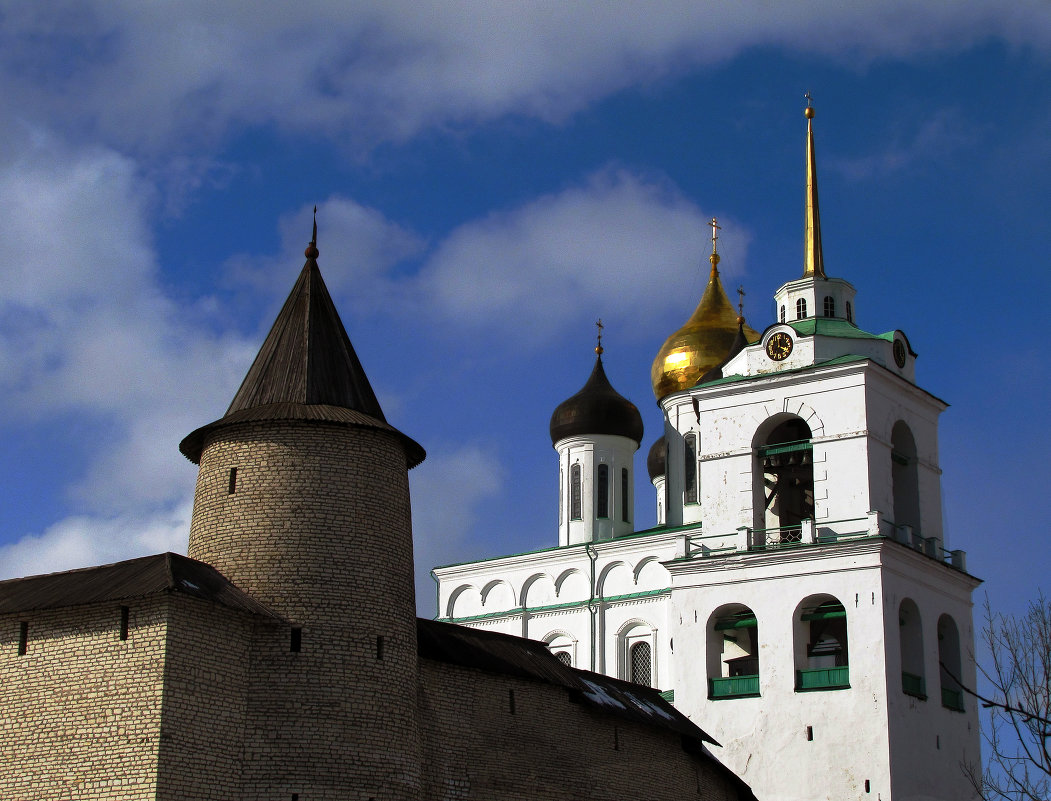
(904, 476)
(783, 476)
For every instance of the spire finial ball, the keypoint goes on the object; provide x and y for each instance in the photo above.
(809, 112)
(311, 252)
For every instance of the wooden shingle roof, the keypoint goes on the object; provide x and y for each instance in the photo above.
(306, 370)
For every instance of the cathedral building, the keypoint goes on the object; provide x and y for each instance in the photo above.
(282, 659)
(798, 597)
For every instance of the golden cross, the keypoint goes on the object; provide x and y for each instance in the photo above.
(715, 235)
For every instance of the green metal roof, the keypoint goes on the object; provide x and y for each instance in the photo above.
(832, 327)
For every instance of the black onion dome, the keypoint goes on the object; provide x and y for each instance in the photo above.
(596, 409)
(657, 459)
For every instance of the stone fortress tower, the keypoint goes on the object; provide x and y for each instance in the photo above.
(283, 661)
(295, 482)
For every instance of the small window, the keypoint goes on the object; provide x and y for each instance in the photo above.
(565, 658)
(690, 469)
(602, 499)
(782, 312)
(231, 487)
(641, 663)
(625, 506)
(124, 615)
(801, 309)
(574, 493)
(296, 641)
(830, 306)
(850, 312)
(23, 638)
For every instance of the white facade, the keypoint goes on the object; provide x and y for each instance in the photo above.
(797, 598)
(596, 487)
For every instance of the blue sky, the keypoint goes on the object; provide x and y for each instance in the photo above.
(491, 179)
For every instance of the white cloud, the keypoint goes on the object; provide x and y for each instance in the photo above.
(447, 491)
(619, 246)
(359, 247)
(86, 332)
(154, 76)
(81, 541)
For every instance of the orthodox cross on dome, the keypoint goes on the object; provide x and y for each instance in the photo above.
(714, 258)
(740, 301)
(599, 326)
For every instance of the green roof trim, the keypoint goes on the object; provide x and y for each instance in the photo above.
(848, 358)
(649, 532)
(833, 327)
(519, 610)
(669, 696)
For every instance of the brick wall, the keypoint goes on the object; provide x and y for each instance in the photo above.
(475, 747)
(80, 712)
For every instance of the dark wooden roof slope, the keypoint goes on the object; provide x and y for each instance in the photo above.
(529, 659)
(306, 370)
(135, 578)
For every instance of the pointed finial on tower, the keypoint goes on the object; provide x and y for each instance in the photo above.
(714, 258)
(740, 304)
(813, 260)
(598, 348)
(312, 252)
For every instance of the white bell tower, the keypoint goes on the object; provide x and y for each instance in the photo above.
(819, 620)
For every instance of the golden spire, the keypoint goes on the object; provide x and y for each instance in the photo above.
(813, 261)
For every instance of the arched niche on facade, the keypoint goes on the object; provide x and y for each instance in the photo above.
(464, 601)
(538, 590)
(821, 648)
(910, 632)
(782, 478)
(950, 663)
(905, 476)
(572, 585)
(732, 652)
(650, 574)
(498, 596)
(636, 649)
(616, 579)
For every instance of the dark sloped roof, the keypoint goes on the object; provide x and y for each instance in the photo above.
(306, 370)
(596, 409)
(530, 659)
(135, 578)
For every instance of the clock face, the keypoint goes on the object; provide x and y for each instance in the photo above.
(899, 353)
(779, 346)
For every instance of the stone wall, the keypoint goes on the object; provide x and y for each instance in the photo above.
(206, 681)
(318, 529)
(497, 737)
(80, 711)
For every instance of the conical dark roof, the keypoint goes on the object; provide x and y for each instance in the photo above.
(306, 370)
(596, 409)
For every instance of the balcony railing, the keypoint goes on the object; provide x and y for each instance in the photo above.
(833, 678)
(913, 685)
(811, 532)
(733, 687)
(952, 699)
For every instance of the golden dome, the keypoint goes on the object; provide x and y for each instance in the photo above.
(702, 343)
